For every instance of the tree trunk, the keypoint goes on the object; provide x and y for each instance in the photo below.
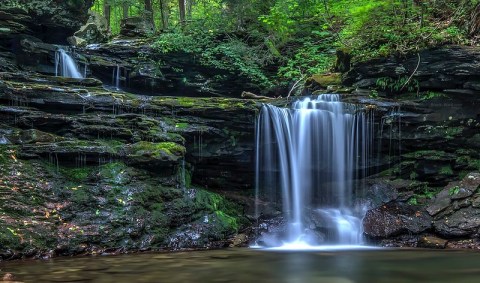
(125, 8)
(164, 13)
(106, 13)
(189, 8)
(475, 21)
(181, 8)
(149, 13)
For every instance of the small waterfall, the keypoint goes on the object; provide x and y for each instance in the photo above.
(307, 159)
(116, 77)
(65, 65)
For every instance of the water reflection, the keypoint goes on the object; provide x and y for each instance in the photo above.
(246, 265)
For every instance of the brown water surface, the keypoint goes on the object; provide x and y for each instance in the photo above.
(249, 265)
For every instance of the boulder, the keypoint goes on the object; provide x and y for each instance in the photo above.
(94, 31)
(461, 223)
(393, 219)
(76, 41)
(136, 27)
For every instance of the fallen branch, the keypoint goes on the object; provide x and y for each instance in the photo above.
(414, 71)
(295, 85)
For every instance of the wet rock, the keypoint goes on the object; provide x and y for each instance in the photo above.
(432, 242)
(473, 244)
(381, 192)
(395, 218)
(461, 223)
(440, 202)
(240, 240)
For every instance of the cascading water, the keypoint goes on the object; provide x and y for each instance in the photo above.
(307, 159)
(116, 77)
(65, 66)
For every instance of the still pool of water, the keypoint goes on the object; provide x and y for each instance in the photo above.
(247, 265)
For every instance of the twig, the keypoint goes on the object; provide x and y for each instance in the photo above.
(414, 71)
(295, 85)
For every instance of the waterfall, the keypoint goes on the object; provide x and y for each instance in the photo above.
(65, 65)
(116, 77)
(307, 159)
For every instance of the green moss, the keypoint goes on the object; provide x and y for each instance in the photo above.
(325, 80)
(9, 237)
(228, 213)
(113, 172)
(203, 104)
(81, 195)
(186, 101)
(77, 174)
(426, 154)
(454, 131)
(157, 149)
(181, 125)
(446, 170)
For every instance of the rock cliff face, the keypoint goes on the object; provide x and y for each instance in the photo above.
(449, 68)
(89, 170)
(144, 70)
(51, 21)
(431, 145)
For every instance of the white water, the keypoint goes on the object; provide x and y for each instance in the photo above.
(116, 77)
(307, 158)
(65, 66)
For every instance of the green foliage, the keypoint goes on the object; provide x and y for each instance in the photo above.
(453, 191)
(413, 201)
(380, 28)
(229, 54)
(301, 36)
(422, 194)
(309, 58)
(402, 84)
(430, 95)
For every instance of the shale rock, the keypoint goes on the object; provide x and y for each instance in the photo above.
(93, 171)
(395, 218)
(443, 68)
(432, 242)
(53, 21)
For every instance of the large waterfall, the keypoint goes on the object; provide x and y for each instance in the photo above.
(307, 159)
(65, 66)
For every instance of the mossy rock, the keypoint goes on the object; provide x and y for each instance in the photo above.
(325, 80)
(154, 156)
(433, 155)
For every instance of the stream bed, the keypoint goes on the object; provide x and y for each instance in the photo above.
(249, 265)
